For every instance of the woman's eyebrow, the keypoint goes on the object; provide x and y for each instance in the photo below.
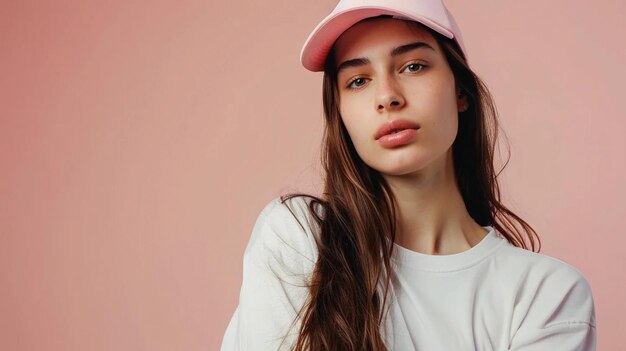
(395, 52)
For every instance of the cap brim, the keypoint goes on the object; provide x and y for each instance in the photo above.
(320, 41)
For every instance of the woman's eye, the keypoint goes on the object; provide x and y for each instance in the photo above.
(357, 81)
(415, 66)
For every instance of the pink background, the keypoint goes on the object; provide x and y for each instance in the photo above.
(140, 139)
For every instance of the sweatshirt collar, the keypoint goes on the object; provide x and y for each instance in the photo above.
(448, 263)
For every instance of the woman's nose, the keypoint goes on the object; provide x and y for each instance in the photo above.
(389, 96)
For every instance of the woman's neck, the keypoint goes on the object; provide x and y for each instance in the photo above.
(431, 214)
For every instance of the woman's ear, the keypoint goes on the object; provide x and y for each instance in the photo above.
(461, 101)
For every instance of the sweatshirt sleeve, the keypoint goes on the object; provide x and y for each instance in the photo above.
(561, 317)
(277, 264)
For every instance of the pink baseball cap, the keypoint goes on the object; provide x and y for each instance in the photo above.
(431, 13)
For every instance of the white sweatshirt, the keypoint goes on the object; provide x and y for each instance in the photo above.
(492, 297)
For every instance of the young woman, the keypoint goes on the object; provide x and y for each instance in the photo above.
(409, 248)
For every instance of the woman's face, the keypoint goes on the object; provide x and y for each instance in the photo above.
(413, 84)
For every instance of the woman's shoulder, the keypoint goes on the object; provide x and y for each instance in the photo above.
(556, 291)
(286, 230)
(543, 264)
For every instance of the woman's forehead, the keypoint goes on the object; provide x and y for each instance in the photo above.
(372, 35)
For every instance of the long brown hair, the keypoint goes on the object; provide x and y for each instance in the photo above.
(344, 310)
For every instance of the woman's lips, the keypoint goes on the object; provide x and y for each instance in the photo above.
(394, 125)
(402, 137)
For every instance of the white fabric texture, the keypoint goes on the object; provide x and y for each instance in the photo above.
(492, 297)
